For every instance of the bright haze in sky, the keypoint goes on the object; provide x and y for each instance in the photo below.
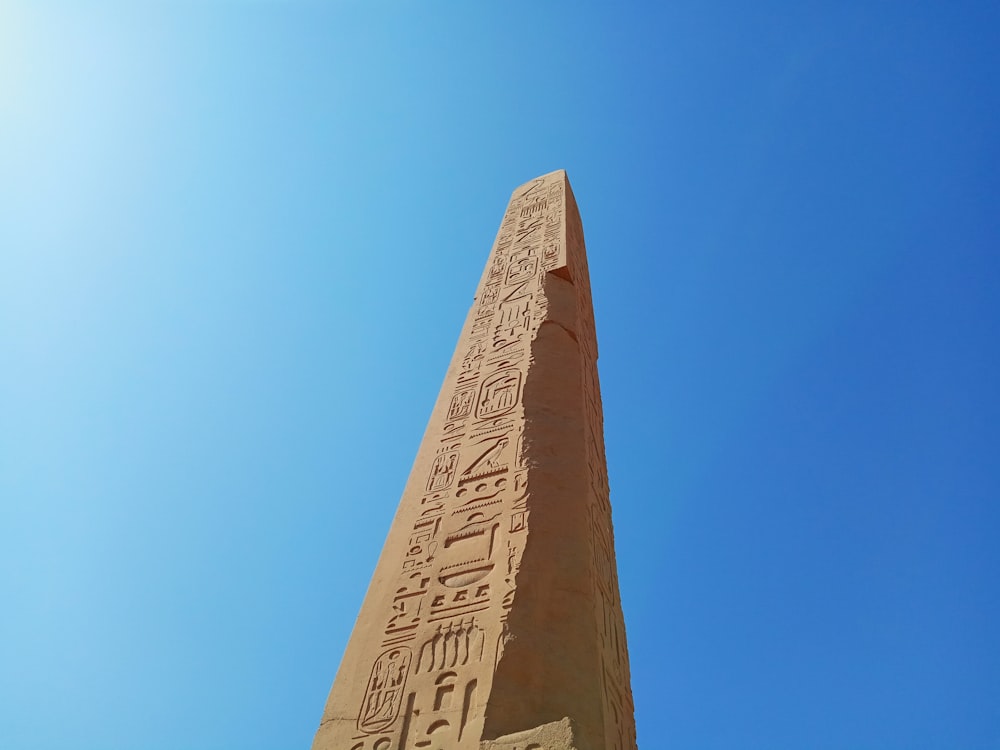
(238, 240)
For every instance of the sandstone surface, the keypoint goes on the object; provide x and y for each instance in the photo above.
(493, 620)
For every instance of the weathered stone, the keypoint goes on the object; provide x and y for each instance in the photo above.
(493, 620)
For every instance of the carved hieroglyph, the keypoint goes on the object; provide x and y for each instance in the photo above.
(493, 620)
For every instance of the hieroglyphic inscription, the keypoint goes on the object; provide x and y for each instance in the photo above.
(452, 645)
(385, 690)
(440, 619)
(443, 471)
(465, 546)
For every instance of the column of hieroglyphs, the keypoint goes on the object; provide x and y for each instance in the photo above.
(457, 646)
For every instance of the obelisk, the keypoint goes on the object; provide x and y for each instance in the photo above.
(493, 619)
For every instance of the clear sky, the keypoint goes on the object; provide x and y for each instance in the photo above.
(238, 240)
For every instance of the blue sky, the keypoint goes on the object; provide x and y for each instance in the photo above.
(237, 243)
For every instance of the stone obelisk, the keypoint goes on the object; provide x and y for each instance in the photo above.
(493, 619)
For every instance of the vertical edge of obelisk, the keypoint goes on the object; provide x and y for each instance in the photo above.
(549, 670)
